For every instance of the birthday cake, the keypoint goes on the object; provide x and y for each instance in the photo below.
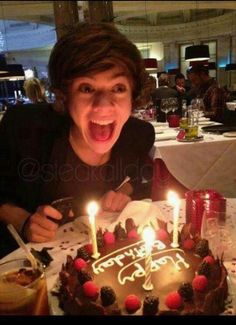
(187, 280)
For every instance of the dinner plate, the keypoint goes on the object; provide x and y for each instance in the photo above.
(191, 140)
(229, 134)
(206, 123)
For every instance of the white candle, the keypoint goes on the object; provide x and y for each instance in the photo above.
(175, 202)
(92, 210)
(149, 237)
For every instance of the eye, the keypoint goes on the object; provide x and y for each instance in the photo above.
(119, 88)
(86, 88)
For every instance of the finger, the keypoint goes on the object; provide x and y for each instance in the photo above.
(118, 197)
(122, 204)
(36, 229)
(108, 199)
(120, 201)
(44, 222)
(37, 238)
(48, 210)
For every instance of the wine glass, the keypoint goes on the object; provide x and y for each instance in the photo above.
(173, 104)
(165, 107)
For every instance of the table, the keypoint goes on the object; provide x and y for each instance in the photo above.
(194, 165)
(72, 235)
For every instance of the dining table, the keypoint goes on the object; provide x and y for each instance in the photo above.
(202, 163)
(72, 235)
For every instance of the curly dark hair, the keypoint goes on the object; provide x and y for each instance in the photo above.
(92, 48)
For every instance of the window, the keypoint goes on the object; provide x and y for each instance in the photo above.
(145, 52)
(182, 63)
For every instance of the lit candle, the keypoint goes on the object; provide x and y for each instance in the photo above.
(175, 202)
(92, 210)
(149, 237)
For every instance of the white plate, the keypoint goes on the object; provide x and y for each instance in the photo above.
(230, 134)
(206, 123)
(202, 119)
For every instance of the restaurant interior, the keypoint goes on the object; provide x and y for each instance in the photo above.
(160, 29)
(197, 169)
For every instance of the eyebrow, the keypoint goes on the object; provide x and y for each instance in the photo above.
(113, 76)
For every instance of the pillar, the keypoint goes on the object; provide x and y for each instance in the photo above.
(100, 11)
(65, 15)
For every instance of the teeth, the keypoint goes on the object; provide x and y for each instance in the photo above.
(102, 122)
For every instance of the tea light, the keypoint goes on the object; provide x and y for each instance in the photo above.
(175, 202)
(148, 237)
(92, 210)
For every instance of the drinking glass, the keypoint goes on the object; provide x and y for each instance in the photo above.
(23, 290)
(173, 104)
(165, 107)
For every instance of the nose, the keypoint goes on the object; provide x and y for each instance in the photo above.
(102, 99)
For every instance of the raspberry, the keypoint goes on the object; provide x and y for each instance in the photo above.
(79, 264)
(90, 289)
(209, 259)
(200, 282)
(109, 238)
(132, 234)
(188, 244)
(186, 291)
(108, 296)
(132, 303)
(162, 234)
(82, 252)
(173, 300)
(150, 305)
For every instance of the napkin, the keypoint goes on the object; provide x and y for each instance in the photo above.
(140, 211)
(165, 136)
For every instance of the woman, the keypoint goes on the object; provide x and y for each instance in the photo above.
(97, 76)
(35, 91)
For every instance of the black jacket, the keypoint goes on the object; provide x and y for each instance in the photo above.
(28, 134)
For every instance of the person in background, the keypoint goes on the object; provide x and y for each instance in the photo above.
(180, 84)
(208, 89)
(35, 91)
(83, 145)
(163, 91)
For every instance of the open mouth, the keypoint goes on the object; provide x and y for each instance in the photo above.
(101, 130)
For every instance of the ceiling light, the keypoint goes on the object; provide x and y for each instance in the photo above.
(197, 53)
(150, 64)
(230, 66)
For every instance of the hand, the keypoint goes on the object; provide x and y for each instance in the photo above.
(114, 201)
(39, 228)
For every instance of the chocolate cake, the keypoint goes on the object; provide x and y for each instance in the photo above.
(186, 280)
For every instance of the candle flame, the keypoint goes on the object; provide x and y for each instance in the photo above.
(92, 209)
(148, 236)
(207, 196)
(173, 198)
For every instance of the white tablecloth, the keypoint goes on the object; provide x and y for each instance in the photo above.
(74, 234)
(199, 165)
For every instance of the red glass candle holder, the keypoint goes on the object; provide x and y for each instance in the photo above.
(199, 200)
(173, 120)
